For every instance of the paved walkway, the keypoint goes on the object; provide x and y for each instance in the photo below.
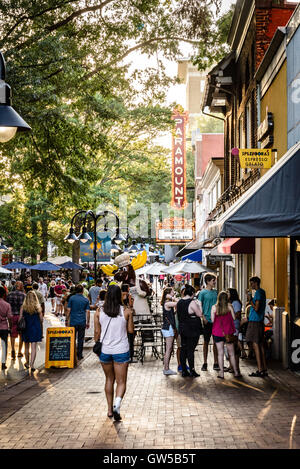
(67, 409)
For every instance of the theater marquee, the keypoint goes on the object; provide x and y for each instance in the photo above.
(179, 160)
(175, 231)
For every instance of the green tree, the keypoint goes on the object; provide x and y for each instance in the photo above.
(93, 118)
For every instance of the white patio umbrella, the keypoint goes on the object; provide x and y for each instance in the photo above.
(175, 268)
(195, 268)
(143, 270)
(156, 269)
(5, 271)
(187, 267)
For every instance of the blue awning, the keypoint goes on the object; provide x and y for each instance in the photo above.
(194, 256)
(270, 208)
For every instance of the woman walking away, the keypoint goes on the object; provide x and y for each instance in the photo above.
(32, 312)
(169, 327)
(222, 316)
(190, 329)
(113, 322)
(52, 295)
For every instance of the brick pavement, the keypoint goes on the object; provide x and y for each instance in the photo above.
(158, 411)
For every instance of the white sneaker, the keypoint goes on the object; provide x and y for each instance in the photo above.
(169, 372)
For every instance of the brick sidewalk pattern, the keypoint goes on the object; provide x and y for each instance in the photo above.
(159, 412)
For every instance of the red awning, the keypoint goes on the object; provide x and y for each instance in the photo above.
(237, 246)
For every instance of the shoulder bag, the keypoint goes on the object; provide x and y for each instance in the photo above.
(229, 338)
(98, 345)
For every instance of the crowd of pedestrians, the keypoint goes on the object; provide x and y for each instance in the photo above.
(23, 306)
(218, 316)
(185, 318)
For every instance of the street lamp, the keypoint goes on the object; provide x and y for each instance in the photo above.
(10, 121)
(133, 248)
(84, 236)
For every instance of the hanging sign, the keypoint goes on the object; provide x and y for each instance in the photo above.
(175, 231)
(103, 248)
(60, 347)
(179, 160)
(255, 158)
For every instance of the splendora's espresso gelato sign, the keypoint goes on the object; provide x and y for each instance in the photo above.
(179, 161)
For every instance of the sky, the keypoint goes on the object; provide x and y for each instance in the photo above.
(177, 92)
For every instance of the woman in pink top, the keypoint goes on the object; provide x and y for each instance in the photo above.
(222, 316)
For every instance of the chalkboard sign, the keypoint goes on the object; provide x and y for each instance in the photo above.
(60, 347)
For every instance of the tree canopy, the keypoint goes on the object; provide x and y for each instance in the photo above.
(94, 116)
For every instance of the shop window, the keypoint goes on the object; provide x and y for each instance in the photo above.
(247, 75)
(248, 125)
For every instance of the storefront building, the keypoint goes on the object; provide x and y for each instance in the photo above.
(250, 87)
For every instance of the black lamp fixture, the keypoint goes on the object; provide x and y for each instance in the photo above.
(71, 237)
(115, 248)
(10, 121)
(119, 238)
(133, 248)
(84, 237)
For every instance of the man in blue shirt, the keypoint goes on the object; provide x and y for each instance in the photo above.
(207, 298)
(79, 313)
(256, 327)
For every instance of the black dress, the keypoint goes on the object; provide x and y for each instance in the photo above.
(190, 329)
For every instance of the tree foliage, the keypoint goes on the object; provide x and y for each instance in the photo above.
(93, 116)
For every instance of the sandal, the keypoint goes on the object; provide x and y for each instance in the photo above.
(257, 374)
(221, 377)
(110, 416)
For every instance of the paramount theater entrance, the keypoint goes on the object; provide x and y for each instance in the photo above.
(295, 304)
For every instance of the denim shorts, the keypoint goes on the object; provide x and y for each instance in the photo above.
(168, 332)
(218, 339)
(115, 357)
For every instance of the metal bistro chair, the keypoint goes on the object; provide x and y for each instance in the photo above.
(149, 336)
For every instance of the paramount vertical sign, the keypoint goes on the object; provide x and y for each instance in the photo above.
(179, 161)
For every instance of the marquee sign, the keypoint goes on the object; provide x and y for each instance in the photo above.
(179, 160)
(175, 231)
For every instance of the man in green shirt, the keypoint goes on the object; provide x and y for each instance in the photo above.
(207, 298)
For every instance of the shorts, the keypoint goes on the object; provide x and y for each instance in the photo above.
(255, 332)
(58, 301)
(14, 328)
(168, 332)
(207, 331)
(218, 339)
(115, 357)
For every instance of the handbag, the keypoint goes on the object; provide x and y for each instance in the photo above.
(98, 345)
(229, 338)
(21, 324)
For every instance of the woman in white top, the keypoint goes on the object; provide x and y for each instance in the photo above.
(112, 323)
